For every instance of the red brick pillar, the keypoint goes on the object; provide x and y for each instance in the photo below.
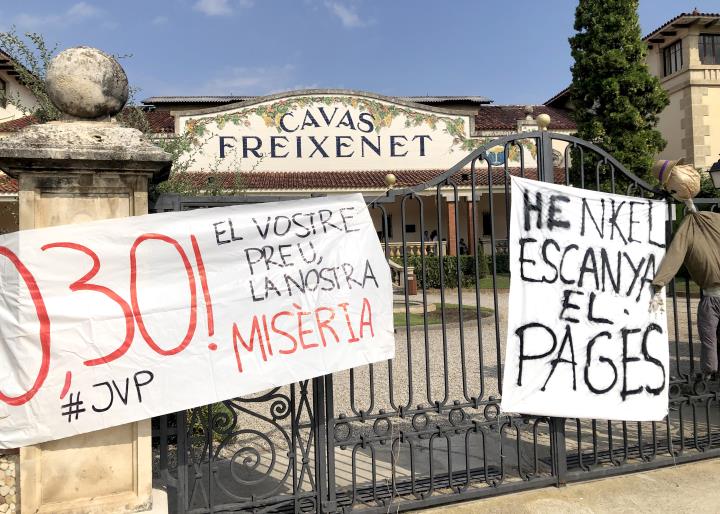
(451, 229)
(471, 243)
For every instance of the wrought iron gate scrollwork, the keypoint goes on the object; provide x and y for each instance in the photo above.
(426, 428)
(247, 454)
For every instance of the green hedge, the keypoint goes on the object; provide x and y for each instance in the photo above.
(467, 268)
(502, 263)
(450, 267)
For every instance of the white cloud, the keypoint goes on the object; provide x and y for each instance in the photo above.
(77, 13)
(251, 81)
(220, 7)
(82, 10)
(159, 20)
(213, 7)
(347, 15)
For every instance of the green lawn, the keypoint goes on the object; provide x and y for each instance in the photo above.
(452, 315)
(503, 281)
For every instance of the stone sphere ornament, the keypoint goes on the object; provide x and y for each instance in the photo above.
(86, 83)
(543, 121)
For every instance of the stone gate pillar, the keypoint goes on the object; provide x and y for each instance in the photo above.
(82, 168)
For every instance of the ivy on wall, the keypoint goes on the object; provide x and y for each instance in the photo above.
(383, 116)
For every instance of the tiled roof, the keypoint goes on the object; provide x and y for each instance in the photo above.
(159, 100)
(159, 121)
(489, 117)
(505, 117)
(6, 58)
(17, 124)
(347, 180)
(558, 97)
(324, 180)
(155, 100)
(694, 14)
(441, 99)
(8, 185)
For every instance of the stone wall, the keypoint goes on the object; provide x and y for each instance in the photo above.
(8, 485)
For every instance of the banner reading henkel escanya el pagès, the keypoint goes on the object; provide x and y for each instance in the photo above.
(115, 321)
(580, 339)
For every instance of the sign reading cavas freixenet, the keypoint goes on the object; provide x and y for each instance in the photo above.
(326, 132)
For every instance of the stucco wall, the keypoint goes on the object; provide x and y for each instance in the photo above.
(669, 125)
(691, 123)
(712, 100)
(15, 90)
(8, 485)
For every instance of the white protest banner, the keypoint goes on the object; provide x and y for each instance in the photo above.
(115, 321)
(580, 340)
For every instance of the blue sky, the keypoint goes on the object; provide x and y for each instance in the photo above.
(510, 51)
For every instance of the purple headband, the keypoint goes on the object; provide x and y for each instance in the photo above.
(662, 170)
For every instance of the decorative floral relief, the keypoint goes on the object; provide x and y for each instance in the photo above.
(513, 149)
(383, 115)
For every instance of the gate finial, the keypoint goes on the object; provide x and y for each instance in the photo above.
(86, 83)
(543, 121)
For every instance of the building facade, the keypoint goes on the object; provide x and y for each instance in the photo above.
(684, 54)
(318, 142)
(13, 93)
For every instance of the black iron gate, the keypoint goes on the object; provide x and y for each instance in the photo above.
(425, 428)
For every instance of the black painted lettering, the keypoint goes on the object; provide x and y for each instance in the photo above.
(627, 359)
(605, 360)
(520, 333)
(566, 305)
(110, 399)
(554, 211)
(218, 233)
(530, 207)
(567, 341)
(148, 377)
(523, 260)
(592, 318)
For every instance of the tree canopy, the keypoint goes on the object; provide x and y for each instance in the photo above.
(616, 101)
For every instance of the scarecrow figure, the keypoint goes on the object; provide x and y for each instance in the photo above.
(696, 244)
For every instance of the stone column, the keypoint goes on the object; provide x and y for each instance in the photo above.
(82, 168)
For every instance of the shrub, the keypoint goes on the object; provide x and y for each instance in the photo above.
(450, 270)
(502, 263)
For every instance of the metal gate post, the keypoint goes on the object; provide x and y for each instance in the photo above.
(331, 504)
(546, 172)
(558, 450)
(321, 446)
(182, 466)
